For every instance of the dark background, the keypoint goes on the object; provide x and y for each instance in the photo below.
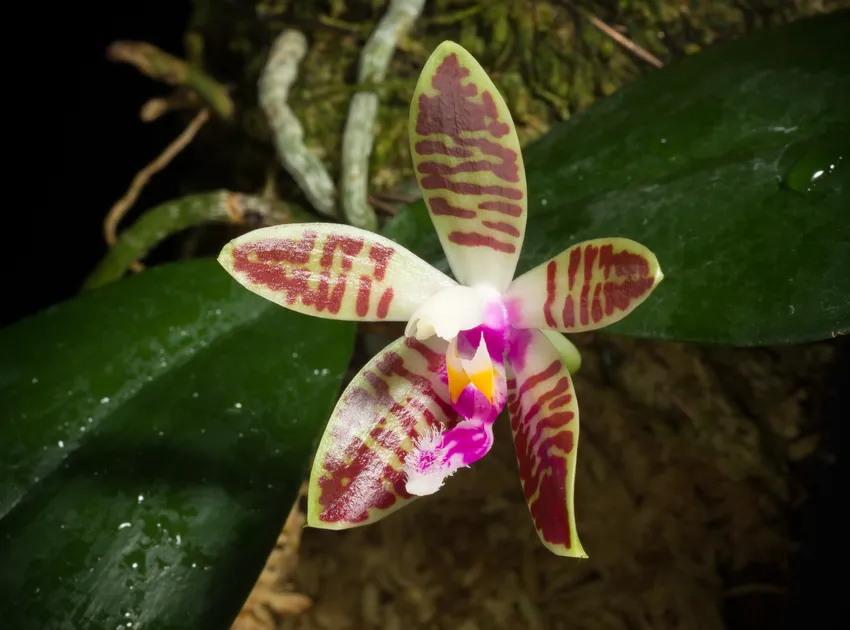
(77, 141)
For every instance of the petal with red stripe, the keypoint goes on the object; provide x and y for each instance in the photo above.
(544, 421)
(332, 271)
(397, 401)
(589, 286)
(469, 166)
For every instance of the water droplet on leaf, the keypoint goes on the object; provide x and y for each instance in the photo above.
(818, 161)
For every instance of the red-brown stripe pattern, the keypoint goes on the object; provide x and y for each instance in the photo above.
(590, 285)
(609, 282)
(320, 272)
(395, 399)
(467, 159)
(544, 421)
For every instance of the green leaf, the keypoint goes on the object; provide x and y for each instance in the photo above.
(709, 162)
(154, 434)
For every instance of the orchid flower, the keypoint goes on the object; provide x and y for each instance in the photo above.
(424, 407)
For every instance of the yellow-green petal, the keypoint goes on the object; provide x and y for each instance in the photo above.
(332, 271)
(589, 286)
(469, 166)
(545, 424)
(397, 398)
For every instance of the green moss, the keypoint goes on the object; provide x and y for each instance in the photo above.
(545, 55)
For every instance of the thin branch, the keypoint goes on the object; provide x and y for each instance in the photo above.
(120, 208)
(181, 99)
(397, 196)
(383, 206)
(625, 42)
(159, 65)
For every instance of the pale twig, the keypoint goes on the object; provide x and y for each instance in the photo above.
(120, 208)
(159, 106)
(387, 208)
(625, 42)
(305, 167)
(397, 196)
(358, 138)
(159, 65)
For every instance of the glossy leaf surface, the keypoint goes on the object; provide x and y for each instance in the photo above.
(155, 433)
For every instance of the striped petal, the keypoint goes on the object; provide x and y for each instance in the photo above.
(469, 165)
(332, 271)
(544, 420)
(398, 400)
(591, 285)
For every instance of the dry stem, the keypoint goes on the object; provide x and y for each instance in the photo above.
(120, 207)
(625, 42)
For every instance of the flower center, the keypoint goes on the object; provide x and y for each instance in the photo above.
(477, 371)
(452, 310)
(474, 322)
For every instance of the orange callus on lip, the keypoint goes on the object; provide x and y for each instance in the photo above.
(478, 370)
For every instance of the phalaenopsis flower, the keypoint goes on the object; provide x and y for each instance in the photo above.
(424, 407)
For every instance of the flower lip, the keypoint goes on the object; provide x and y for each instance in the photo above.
(425, 467)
